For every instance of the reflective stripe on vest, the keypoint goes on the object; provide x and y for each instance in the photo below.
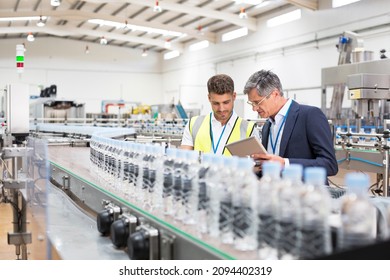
(200, 131)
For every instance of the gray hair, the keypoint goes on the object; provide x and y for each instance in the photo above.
(265, 82)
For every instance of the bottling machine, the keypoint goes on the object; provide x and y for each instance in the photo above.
(361, 131)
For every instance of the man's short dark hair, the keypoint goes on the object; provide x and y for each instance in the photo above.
(220, 84)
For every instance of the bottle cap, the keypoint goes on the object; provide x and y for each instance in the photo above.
(293, 172)
(271, 168)
(315, 175)
(357, 182)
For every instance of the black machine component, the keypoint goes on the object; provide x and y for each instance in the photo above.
(122, 228)
(49, 92)
(107, 216)
(143, 244)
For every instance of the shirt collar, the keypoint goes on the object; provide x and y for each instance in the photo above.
(282, 112)
(231, 121)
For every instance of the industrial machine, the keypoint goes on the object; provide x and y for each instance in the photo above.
(53, 110)
(361, 130)
(17, 161)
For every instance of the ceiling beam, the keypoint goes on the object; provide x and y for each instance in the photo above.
(63, 31)
(84, 16)
(308, 4)
(250, 22)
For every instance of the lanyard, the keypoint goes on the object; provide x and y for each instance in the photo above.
(215, 149)
(273, 145)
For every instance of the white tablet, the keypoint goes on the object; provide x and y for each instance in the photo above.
(246, 147)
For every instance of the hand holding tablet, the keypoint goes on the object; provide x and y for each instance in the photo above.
(246, 147)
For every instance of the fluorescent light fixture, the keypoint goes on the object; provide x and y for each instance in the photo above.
(285, 18)
(137, 27)
(234, 34)
(250, 2)
(172, 54)
(22, 18)
(55, 3)
(339, 3)
(199, 45)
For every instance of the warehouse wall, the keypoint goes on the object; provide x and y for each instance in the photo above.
(107, 72)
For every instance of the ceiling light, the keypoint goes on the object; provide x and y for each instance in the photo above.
(103, 41)
(285, 18)
(144, 53)
(339, 3)
(40, 23)
(250, 2)
(157, 8)
(55, 3)
(30, 37)
(199, 45)
(137, 27)
(234, 34)
(242, 14)
(22, 18)
(172, 54)
(86, 49)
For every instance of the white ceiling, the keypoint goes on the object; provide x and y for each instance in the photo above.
(198, 19)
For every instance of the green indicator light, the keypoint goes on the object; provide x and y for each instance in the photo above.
(20, 58)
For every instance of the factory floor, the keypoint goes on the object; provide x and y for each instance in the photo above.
(37, 250)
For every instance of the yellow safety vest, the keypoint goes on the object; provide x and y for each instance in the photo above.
(200, 130)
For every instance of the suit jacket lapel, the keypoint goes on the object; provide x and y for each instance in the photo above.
(288, 127)
(265, 133)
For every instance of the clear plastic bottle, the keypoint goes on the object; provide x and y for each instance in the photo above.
(177, 205)
(289, 213)
(203, 197)
(316, 211)
(133, 168)
(244, 206)
(358, 214)
(119, 171)
(338, 137)
(373, 139)
(168, 172)
(267, 197)
(362, 139)
(127, 159)
(190, 190)
(213, 178)
(226, 188)
(143, 182)
(156, 178)
(137, 170)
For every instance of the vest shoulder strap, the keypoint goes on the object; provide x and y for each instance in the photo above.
(195, 124)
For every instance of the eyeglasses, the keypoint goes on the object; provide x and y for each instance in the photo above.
(257, 104)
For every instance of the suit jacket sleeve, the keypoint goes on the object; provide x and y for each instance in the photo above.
(311, 141)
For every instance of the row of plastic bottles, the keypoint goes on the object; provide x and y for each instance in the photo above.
(279, 216)
(369, 137)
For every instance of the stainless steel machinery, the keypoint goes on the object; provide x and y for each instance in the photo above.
(361, 131)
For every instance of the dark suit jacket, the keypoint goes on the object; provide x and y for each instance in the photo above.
(306, 138)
